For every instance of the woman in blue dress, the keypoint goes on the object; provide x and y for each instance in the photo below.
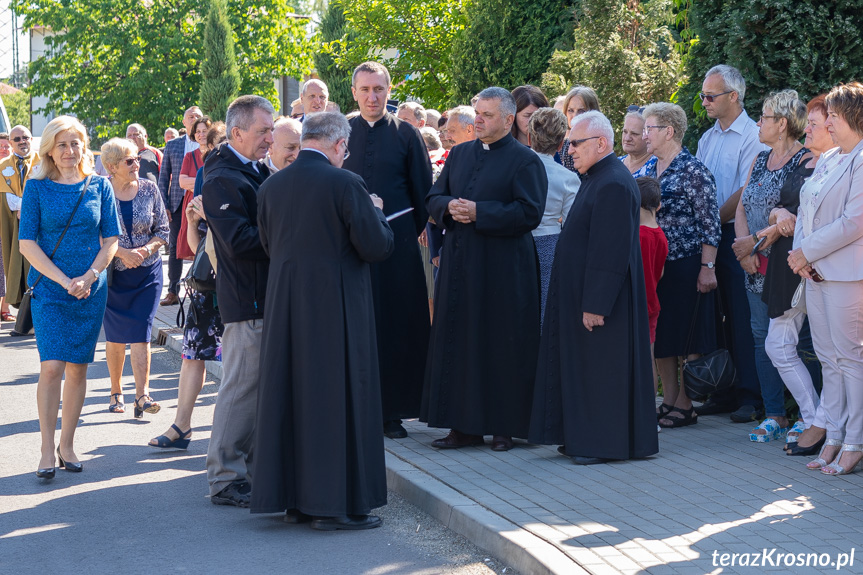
(68, 302)
(134, 293)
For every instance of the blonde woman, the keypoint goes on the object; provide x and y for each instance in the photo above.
(70, 290)
(579, 100)
(133, 296)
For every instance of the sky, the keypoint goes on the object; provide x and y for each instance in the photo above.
(6, 42)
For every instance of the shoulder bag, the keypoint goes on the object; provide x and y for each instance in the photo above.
(201, 277)
(24, 321)
(709, 373)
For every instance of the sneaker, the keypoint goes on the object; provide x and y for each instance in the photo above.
(237, 494)
(747, 413)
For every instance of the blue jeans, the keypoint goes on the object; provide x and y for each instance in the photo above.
(772, 386)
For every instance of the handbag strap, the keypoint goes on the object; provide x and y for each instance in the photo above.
(69, 223)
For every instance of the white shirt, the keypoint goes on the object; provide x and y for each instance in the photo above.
(562, 187)
(243, 158)
(729, 154)
(190, 146)
(13, 201)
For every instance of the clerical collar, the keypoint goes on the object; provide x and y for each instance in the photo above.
(602, 161)
(373, 124)
(497, 144)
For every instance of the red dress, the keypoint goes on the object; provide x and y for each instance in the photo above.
(654, 250)
(191, 162)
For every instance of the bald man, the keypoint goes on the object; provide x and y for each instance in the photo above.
(286, 143)
(315, 96)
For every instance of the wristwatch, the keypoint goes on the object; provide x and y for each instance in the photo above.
(95, 273)
(708, 265)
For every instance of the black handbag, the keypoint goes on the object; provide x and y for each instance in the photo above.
(201, 276)
(24, 320)
(709, 373)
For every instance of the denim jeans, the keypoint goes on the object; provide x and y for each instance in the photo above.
(772, 386)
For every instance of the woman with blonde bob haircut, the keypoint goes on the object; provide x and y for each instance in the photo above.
(68, 233)
(134, 293)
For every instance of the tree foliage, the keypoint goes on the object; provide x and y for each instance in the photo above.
(220, 79)
(17, 108)
(807, 45)
(413, 38)
(624, 50)
(119, 61)
(507, 43)
(332, 30)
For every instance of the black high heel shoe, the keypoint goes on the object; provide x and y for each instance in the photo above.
(68, 465)
(47, 473)
(810, 450)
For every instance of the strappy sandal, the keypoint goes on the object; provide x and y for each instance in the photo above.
(664, 409)
(771, 431)
(118, 407)
(689, 418)
(182, 441)
(7, 316)
(149, 406)
(819, 461)
(836, 469)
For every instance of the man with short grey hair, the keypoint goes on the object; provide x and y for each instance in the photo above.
(460, 125)
(233, 174)
(594, 392)
(315, 96)
(413, 113)
(319, 453)
(728, 150)
(485, 338)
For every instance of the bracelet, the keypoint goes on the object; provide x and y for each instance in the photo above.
(95, 273)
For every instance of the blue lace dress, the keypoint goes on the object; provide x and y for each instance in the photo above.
(67, 328)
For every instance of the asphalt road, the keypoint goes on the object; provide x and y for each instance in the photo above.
(135, 509)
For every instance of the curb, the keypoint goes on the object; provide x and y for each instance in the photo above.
(518, 548)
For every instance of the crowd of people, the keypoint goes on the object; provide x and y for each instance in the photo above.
(569, 282)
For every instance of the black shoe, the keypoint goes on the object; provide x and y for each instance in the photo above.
(394, 430)
(47, 473)
(747, 413)
(808, 451)
(68, 466)
(713, 407)
(346, 522)
(296, 516)
(579, 460)
(238, 494)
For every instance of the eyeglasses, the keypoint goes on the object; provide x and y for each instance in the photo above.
(347, 151)
(711, 97)
(636, 108)
(763, 117)
(22, 138)
(647, 129)
(132, 161)
(576, 143)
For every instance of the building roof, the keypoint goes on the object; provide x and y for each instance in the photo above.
(7, 89)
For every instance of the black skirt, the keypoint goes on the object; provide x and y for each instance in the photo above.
(678, 296)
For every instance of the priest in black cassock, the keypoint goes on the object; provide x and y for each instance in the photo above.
(485, 338)
(391, 157)
(319, 453)
(594, 382)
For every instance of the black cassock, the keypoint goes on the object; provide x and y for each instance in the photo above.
(394, 163)
(318, 443)
(594, 390)
(484, 341)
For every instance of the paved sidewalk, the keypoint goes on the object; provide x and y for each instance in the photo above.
(710, 490)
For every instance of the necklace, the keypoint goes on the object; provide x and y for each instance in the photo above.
(780, 161)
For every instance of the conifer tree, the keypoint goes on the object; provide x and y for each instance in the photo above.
(220, 78)
(338, 79)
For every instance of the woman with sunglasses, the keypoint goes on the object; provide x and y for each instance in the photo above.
(690, 220)
(136, 286)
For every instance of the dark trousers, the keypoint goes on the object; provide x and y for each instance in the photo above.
(737, 326)
(175, 266)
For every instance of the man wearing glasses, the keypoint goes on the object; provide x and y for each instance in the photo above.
(728, 149)
(15, 171)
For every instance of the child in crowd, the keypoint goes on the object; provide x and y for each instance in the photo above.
(654, 250)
